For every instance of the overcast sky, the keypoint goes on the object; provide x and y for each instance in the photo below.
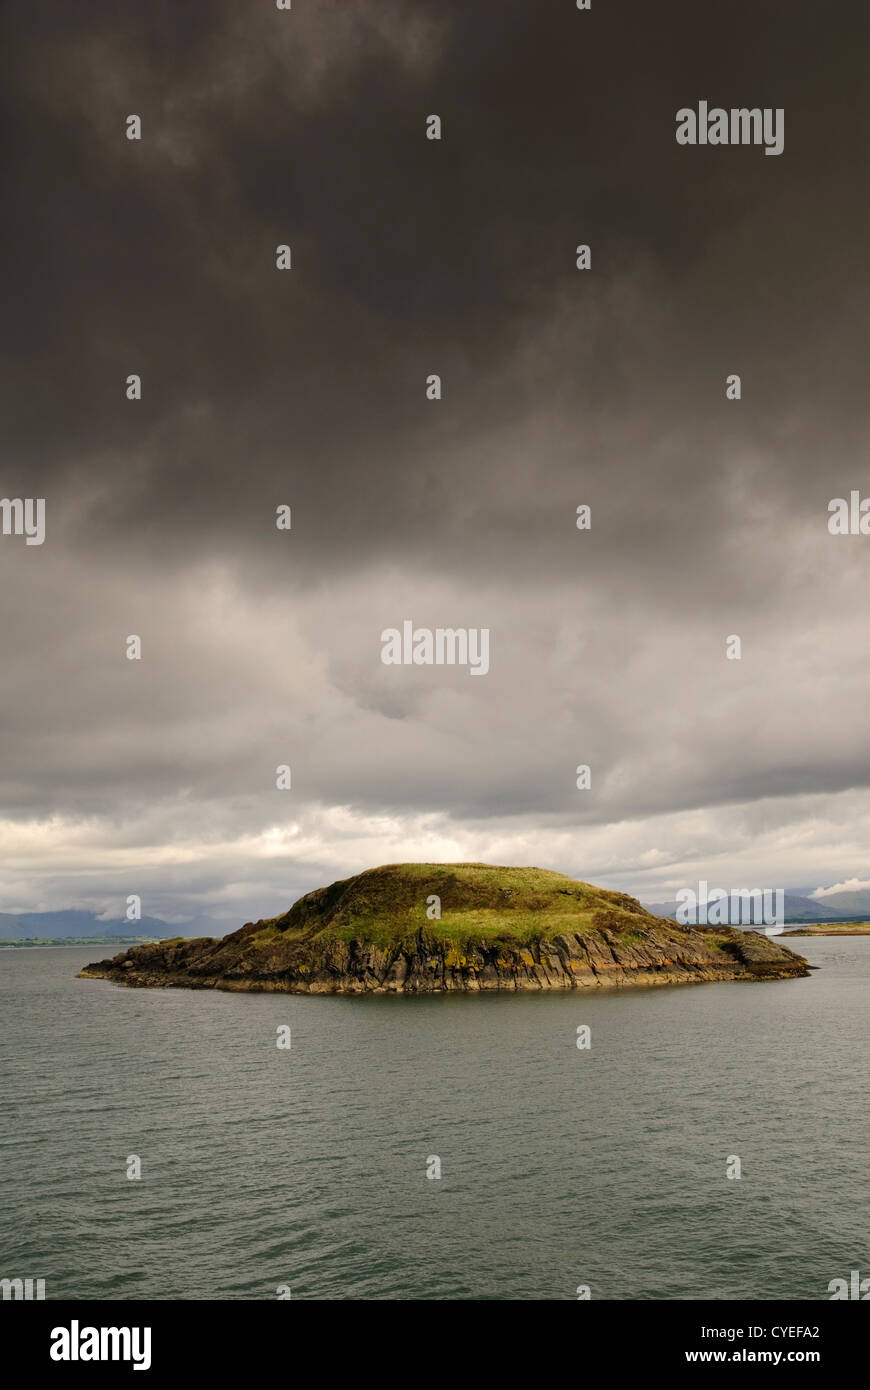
(306, 387)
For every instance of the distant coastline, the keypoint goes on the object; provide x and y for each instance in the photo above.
(829, 929)
(76, 941)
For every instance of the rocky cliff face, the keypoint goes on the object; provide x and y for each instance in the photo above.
(360, 937)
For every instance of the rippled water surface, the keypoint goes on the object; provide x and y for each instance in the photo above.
(560, 1167)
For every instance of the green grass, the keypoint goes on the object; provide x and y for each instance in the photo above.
(388, 905)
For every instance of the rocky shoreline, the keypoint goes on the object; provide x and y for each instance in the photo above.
(423, 964)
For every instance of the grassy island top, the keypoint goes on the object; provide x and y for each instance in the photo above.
(482, 901)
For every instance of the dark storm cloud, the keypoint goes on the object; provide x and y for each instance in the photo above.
(414, 257)
(411, 257)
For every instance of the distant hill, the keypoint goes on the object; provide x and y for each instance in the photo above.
(431, 928)
(855, 904)
(75, 923)
(797, 911)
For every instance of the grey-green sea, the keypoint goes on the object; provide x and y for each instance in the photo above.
(305, 1168)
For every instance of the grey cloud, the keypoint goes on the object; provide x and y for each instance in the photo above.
(307, 388)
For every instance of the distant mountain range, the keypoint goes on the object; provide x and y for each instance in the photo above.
(854, 904)
(837, 907)
(71, 922)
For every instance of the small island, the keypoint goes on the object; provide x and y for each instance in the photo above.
(829, 929)
(499, 929)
